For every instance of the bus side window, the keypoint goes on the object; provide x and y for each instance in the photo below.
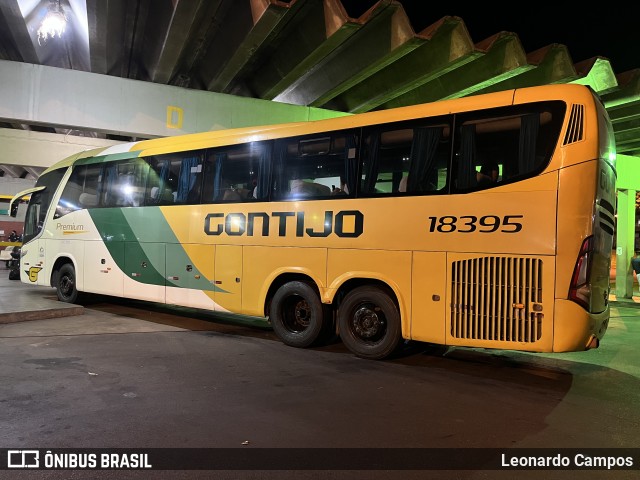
(122, 183)
(81, 190)
(131, 183)
(386, 161)
(502, 145)
(190, 178)
(238, 173)
(319, 166)
(163, 173)
(410, 158)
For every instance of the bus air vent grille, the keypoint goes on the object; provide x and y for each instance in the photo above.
(497, 298)
(575, 129)
(606, 213)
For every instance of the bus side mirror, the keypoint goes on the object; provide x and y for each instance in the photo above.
(13, 210)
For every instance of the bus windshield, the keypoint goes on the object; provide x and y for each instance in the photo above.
(40, 202)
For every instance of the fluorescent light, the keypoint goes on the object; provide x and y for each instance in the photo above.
(54, 23)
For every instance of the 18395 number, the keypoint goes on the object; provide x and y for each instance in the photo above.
(471, 223)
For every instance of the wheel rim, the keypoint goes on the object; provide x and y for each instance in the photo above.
(296, 314)
(66, 285)
(368, 323)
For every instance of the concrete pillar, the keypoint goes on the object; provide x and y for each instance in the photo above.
(625, 237)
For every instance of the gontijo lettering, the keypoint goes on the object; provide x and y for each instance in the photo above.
(345, 223)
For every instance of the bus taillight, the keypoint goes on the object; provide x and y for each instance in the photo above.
(580, 288)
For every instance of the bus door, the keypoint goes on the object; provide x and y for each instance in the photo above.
(428, 294)
(228, 278)
(190, 275)
(144, 265)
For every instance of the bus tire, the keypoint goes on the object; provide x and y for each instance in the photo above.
(66, 284)
(369, 323)
(297, 314)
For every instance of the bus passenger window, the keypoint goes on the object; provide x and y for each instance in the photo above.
(315, 167)
(125, 183)
(162, 184)
(126, 188)
(411, 158)
(307, 188)
(517, 141)
(488, 173)
(238, 173)
(190, 178)
(81, 190)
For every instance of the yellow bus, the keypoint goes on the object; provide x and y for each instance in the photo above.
(485, 221)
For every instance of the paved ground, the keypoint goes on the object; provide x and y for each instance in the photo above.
(134, 375)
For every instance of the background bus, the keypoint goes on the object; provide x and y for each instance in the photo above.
(485, 221)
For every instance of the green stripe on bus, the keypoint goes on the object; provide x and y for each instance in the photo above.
(107, 158)
(154, 225)
(114, 229)
(140, 230)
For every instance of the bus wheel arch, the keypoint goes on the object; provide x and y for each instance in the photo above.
(65, 280)
(369, 318)
(296, 312)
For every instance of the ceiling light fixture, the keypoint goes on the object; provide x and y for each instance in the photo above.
(54, 23)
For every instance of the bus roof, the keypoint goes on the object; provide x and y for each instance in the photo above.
(230, 136)
(267, 132)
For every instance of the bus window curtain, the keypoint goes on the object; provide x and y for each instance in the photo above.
(371, 167)
(423, 150)
(466, 177)
(163, 178)
(530, 125)
(218, 161)
(264, 172)
(102, 183)
(187, 178)
(111, 177)
(351, 165)
(164, 175)
(280, 182)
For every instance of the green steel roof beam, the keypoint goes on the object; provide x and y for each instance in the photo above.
(628, 141)
(624, 112)
(268, 18)
(449, 46)
(632, 124)
(628, 91)
(504, 58)
(220, 26)
(312, 34)
(552, 64)
(164, 55)
(598, 74)
(386, 35)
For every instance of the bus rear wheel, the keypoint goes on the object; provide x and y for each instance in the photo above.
(66, 284)
(369, 323)
(297, 314)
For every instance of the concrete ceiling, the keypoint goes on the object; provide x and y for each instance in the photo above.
(303, 52)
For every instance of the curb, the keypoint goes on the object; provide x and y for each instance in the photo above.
(627, 303)
(14, 317)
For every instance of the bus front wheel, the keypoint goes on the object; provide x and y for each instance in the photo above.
(66, 284)
(369, 323)
(297, 314)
